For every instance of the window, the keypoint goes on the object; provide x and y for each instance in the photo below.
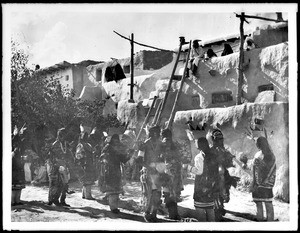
(267, 87)
(195, 101)
(126, 69)
(98, 75)
(67, 77)
(222, 97)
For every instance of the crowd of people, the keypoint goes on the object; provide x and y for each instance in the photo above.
(159, 163)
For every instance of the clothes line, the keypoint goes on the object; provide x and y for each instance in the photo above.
(152, 47)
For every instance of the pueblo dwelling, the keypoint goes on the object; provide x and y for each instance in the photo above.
(208, 99)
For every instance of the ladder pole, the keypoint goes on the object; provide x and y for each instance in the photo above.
(147, 118)
(170, 122)
(132, 69)
(140, 131)
(239, 93)
(156, 113)
(169, 84)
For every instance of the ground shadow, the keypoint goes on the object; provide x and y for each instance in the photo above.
(247, 216)
(88, 211)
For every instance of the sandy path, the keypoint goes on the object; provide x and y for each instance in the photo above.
(239, 209)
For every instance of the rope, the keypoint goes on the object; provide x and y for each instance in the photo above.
(144, 44)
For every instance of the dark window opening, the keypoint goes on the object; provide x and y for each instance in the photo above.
(222, 97)
(98, 75)
(267, 87)
(116, 104)
(195, 101)
(126, 69)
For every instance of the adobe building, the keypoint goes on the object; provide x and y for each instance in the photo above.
(70, 75)
(209, 98)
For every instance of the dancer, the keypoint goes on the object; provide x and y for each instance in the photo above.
(206, 181)
(110, 180)
(264, 175)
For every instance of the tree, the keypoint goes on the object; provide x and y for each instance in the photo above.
(44, 105)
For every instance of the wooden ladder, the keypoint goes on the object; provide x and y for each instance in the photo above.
(161, 107)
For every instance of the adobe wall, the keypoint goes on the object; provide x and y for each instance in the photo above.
(79, 81)
(271, 67)
(268, 35)
(145, 63)
(262, 66)
(61, 74)
(153, 60)
(233, 122)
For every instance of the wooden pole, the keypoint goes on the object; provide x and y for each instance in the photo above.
(241, 62)
(131, 66)
(261, 18)
(140, 131)
(147, 118)
(164, 101)
(156, 113)
(170, 122)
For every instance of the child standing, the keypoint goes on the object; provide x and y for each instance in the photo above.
(264, 174)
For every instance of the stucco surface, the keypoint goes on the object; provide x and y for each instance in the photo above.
(233, 122)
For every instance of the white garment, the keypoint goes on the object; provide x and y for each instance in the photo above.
(198, 52)
(27, 171)
(197, 169)
(259, 155)
(65, 174)
(41, 175)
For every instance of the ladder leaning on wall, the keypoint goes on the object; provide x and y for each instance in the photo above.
(161, 107)
(174, 109)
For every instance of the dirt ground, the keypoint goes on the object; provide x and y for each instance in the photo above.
(87, 212)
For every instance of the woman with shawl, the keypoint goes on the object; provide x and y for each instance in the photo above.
(110, 182)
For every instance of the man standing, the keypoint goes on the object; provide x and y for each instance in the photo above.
(58, 171)
(18, 174)
(172, 187)
(149, 152)
(225, 160)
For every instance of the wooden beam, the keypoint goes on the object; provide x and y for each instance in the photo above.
(147, 118)
(261, 18)
(131, 66)
(241, 61)
(156, 113)
(140, 131)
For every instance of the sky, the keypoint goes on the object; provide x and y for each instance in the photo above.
(52, 33)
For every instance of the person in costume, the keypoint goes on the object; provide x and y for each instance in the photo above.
(113, 155)
(264, 175)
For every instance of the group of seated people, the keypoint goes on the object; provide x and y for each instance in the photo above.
(198, 53)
